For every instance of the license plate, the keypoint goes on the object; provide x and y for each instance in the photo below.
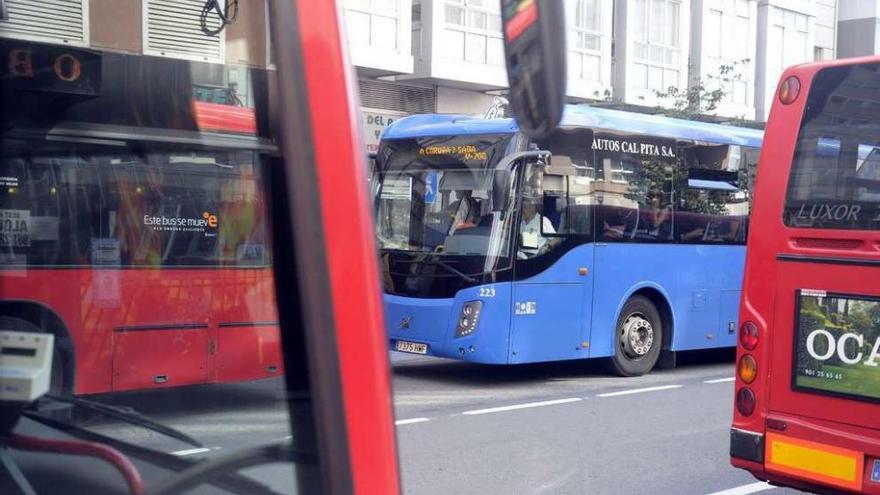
(413, 347)
(815, 461)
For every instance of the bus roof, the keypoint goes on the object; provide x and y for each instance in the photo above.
(579, 116)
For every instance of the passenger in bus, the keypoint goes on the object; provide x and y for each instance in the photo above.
(467, 215)
(728, 230)
(658, 222)
(617, 221)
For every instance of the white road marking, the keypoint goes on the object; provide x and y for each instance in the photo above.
(721, 380)
(746, 489)
(638, 390)
(190, 451)
(410, 421)
(522, 406)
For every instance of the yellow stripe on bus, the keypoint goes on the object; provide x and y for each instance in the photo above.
(815, 461)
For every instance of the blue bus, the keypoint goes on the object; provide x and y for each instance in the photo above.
(620, 236)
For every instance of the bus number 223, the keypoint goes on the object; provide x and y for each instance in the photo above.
(487, 291)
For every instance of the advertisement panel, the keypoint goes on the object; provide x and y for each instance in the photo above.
(837, 345)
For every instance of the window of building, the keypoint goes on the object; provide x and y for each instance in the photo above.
(657, 47)
(373, 23)
(473, 31)
(727, 37)
(788, 42)
(585, 54)
(55, 21)
(172, 28)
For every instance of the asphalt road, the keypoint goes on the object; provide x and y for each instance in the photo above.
(533, 429)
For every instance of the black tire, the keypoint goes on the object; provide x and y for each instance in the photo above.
(638, 338)
(57, 384)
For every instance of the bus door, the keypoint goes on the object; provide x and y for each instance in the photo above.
(826, 291)
(551, 294)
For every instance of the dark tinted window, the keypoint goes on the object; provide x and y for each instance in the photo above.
(835, 174)
(713, 193)
(158, 209)
(633, 187)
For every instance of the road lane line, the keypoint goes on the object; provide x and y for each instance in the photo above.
(522, 406)
(746, 489)
(639, 390)
(721, 380)
(190, 451)
(410, 421)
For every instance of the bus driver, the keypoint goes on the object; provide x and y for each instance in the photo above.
(532, 224)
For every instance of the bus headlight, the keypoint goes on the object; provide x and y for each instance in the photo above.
(468, 318)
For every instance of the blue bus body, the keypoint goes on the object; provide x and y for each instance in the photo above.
(570, 308)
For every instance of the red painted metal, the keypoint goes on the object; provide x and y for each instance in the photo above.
(767, 300)
(350, 250)
(525, 16)
(78, 447)
(214, 117)
(106, 311)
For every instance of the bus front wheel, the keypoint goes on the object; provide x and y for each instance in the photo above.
(638, 338)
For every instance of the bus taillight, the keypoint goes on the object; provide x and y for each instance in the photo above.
(789, 90)
(745, 401)
(748, 336)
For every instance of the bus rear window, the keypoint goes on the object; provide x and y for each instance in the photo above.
(835, 174)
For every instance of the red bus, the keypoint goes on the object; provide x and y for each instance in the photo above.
(807, 396)
(133, 216)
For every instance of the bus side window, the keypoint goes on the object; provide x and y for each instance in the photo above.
(713, 196)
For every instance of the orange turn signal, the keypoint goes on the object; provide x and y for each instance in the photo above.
(747, 369)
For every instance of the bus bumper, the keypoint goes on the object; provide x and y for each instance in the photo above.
(747, 445)
(429, 326)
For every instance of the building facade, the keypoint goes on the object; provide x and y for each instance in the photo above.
(166, 28)
(620, 52)
(859, 28)
(417, 56)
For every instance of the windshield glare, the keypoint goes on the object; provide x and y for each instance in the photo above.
(440, 211)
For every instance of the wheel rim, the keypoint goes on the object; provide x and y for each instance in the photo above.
(636, 336)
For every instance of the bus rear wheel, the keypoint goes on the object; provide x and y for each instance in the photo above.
(638, 338)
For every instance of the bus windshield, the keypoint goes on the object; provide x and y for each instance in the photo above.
(435, 196)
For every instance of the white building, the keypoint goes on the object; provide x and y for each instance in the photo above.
(858, 28)
(621, 52)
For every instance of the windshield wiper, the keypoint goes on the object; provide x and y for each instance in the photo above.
(437, 261)
(231, 481)
(126, 414)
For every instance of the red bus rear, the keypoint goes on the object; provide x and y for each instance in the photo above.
(807, 396)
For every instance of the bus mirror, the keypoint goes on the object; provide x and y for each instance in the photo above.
(500, 189)
(534, 47)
